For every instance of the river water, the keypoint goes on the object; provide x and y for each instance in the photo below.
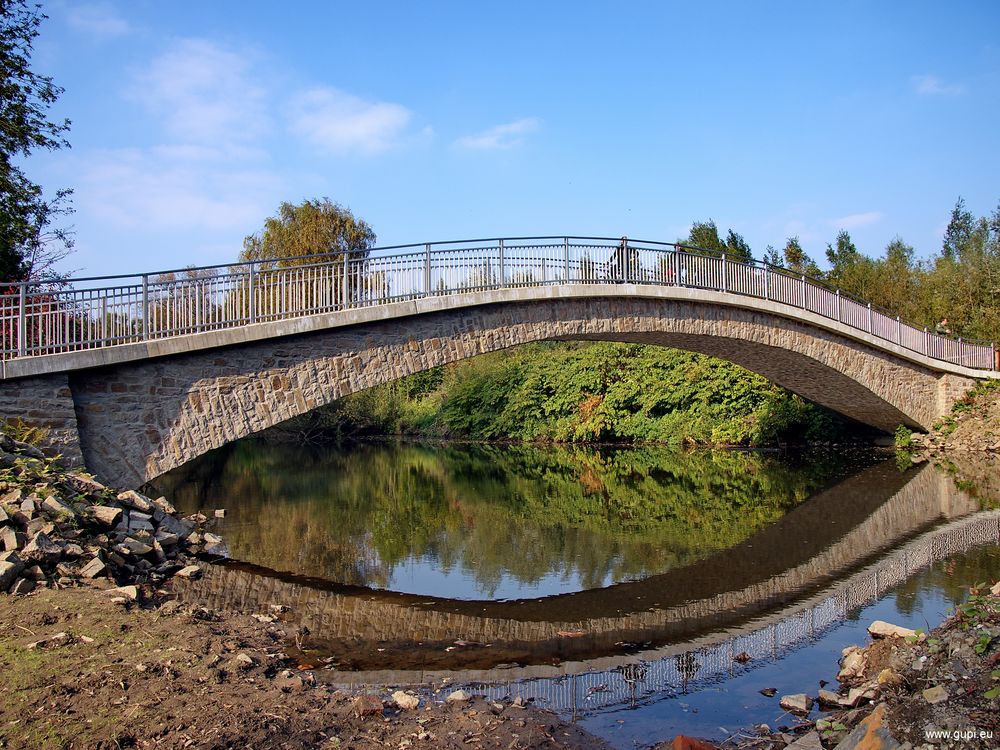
(617, 586)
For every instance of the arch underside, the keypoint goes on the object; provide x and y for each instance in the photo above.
(141, 419)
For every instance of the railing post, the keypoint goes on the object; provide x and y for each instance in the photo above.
(803, 291)
(145, 307)
(961, 353)
(503, 279)
(22, 317)
(566, 257)
(926, 343)
(840, 315)
(899, 331)
(767, 282)
(427, 270)
(346, 288)
(870, 322)
(725, 275)
(252, 292)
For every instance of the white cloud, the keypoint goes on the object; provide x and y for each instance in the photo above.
(339, 122)
(132, 188)
(204, 93)
(508, 135)
(853, 221)
(928, 85)
(98, 20)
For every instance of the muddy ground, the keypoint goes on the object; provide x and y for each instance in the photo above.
(79, 671)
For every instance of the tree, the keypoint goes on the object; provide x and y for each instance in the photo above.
(704, 235)
(29, 245)
(737, 248)
(796, 259)
(309, 228)
(959, 231)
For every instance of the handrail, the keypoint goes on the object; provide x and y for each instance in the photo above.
(100, 311)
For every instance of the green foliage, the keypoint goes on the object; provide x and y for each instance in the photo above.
(29, 244)
(589, 392)
(903, 437)
(18, 429)
(309, 228)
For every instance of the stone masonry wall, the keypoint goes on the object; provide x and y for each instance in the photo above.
(141, 419)
(47, 402)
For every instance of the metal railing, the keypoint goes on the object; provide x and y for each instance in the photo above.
(89, 313)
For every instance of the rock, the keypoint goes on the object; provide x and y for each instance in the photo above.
(23, 586)
(856, 695)
(164, 505)
(936, 694)
(73, 551)
(995, 589)
(287, 681)
(808, 741)
(458, 696)
(367, 705)
(870, 734)
(166, 539)
(828, 699)
(852, 665)
(132, 499)
(883, 629)
(191, 571)
(42, 549)
(106, 514)
(406, 701)
(769, 692)
(243, 661)
(798, 703)
(35, 573)
(220, 513)
(171, 525)
(10, 539)
(135, 547)
(9, 572)
(3, 515)
(683, 742)
(84, 483)
(130, 593)
(93, 569)
(52, 505)
(890, 678)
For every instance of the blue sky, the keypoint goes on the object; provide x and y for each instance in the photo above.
(192, 121)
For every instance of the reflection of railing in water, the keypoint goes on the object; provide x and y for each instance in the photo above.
(89, 313)
(675, 668)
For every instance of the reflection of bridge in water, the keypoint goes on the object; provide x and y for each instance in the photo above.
(399, 638)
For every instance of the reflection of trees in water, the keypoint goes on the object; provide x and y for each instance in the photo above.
(352, 515)
(951, 577)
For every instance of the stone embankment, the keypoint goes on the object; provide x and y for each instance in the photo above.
(59, 528)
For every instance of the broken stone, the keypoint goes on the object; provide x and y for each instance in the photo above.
(287, 681)
(52, 505)
(871, 734)
(23, 586)
(93, 569)
(42, 549)
(367, 705)
(164, 505)
(856, 695)
(406, 701)
(995, 589)
(220, 513)
(889, 677)
(243, 661)
(3, 515)
(458, 696)
(769, 692)
(35, 573)
(106, 514)
(9, 572)
(190, 571)
(129, 593)
(852, 665)
(10, 539)
(132, 499)
(798, 703)
(883, 629)
(936, 694)
(828, 698)
(135, 547)
(72, 550)
(808, 741)
(166, 539)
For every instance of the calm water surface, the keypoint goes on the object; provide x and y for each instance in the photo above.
(613, 585)
(485, 522)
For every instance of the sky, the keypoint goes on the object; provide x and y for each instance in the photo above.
(193, 121)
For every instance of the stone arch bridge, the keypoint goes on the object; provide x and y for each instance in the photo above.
(211, 358)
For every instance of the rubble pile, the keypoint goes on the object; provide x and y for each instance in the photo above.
(60, 528)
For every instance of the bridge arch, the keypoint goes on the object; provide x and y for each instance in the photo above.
(142, 413)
